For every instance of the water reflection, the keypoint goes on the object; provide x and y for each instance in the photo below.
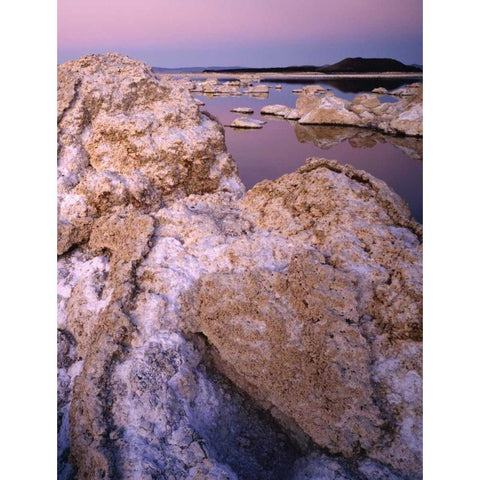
(359, 85)
(261, 96)
(282, 146)
(326, 137)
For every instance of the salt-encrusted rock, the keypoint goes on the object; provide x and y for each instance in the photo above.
(257, 89)
(297, 90)
(127, 140)
(306, 293)
(281, 111)
(316, 314)
(243, 110)
(328, 109)
(246, 122)
(278, 110)
(313, 89)
(212, 86)
(380, 91)
(413, 89)
(402, 117)
(278, 87)
(293, 114)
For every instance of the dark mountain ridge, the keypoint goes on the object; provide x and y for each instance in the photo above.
(347, 65)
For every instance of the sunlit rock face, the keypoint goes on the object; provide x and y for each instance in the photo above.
(403, 117)
(125, 140)
(209, 334)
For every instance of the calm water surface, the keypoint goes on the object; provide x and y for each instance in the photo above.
(282, 146)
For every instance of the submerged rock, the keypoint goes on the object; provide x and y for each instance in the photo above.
(204, 333)
(246, 122)
(243, 110)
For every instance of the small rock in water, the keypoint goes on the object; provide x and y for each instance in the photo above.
(380, 90)
(244, 122)
(278, 110)
(242, 110)
(313, 89)
(257, 89)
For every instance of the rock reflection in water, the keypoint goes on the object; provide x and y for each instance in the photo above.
(326, 137)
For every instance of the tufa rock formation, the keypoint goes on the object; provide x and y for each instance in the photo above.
(403, 117)
(128, 142)
(246, 122)
(205, 333)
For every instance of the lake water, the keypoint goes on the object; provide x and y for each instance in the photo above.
(282, 146)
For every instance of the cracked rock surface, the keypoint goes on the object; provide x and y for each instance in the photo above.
(205, 333)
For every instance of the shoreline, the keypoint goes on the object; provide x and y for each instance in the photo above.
(264, 76)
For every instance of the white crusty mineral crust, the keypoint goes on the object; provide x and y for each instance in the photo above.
(246, 122)
(127, 140)
(306, 293)
(403, 117)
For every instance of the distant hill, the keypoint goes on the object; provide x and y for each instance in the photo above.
(367, 65)
(347, 65)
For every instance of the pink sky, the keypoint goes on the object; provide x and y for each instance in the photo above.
(195, 28)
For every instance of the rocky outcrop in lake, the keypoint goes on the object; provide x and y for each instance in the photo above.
(247, 122)
(205, 333)
(403, 117)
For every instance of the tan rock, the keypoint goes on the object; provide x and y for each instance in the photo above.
(246, 122)
(257, 89)
(317, 335)
(402, 117)
(313, 89)
(329, 110)
(122, 140)
(243, 110)
(293, 114)
(278, 110)
(305, 292)
(380, 91)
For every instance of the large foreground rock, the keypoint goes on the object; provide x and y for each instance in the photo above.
(208, 334)
(125, 140)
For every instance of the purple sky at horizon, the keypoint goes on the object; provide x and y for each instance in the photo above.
(247, 33)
